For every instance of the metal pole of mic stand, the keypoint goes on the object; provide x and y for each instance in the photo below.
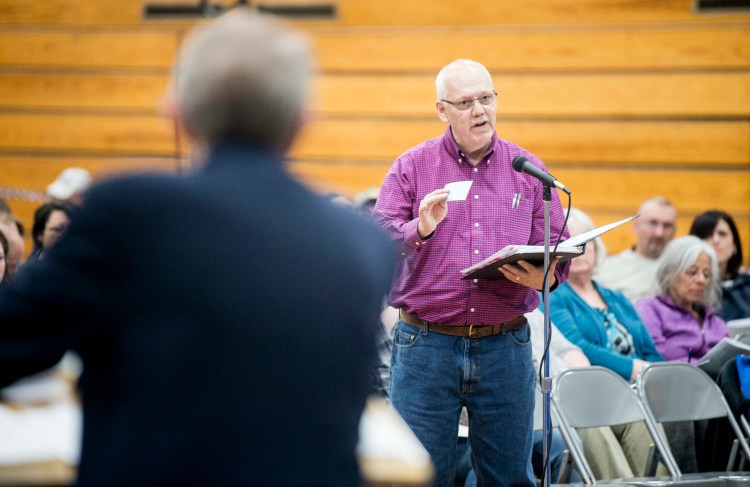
(546, 381)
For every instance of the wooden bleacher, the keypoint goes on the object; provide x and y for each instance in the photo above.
(621, 100)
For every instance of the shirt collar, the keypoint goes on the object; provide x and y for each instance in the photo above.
(667, 300)
(453, 150)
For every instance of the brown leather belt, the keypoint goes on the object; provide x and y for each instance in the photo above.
(471, 331)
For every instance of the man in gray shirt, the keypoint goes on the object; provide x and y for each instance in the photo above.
(633, 271)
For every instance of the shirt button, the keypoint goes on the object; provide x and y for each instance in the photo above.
(472, 310)
(417, 244)
(403, 253)
(476, 169)
(476, 251)
(476, 196)
(476, 224)
(476, 281)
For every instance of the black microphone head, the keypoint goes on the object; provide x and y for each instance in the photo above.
(519, 162)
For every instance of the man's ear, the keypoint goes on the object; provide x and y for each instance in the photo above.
(440, 106)
(169, 106)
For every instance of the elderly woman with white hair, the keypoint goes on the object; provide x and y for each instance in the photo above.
(600, 320)
(680, 317)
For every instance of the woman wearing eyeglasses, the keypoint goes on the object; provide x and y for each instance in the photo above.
(681, 317)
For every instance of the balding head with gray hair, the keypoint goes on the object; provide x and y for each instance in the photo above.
(458, 65)
(241, 76)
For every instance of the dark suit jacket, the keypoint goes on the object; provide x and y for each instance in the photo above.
(226, 321)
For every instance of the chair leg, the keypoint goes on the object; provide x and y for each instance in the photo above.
(566, 469)
(733, 455)
(652, 462)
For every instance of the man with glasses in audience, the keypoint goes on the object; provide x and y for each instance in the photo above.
(633, 270)
(466, 342)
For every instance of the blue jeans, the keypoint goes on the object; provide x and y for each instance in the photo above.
(434, 375)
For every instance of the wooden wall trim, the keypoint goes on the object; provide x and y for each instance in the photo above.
(637, 95)
(617, 48)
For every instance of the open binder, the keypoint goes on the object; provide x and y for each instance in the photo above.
(534, 254)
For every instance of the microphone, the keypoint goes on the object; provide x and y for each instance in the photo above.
(521, 164)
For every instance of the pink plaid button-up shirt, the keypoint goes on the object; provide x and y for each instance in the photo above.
(503, 207)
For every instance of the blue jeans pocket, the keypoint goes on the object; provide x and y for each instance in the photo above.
(405, 336)
(522, 336)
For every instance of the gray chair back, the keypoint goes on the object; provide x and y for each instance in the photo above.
(594, 397)
(677, 391)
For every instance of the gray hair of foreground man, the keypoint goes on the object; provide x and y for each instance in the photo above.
(242, 76)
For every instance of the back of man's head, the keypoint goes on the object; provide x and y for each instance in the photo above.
(242, 77)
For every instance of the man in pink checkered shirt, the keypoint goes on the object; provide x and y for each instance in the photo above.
(466, 342)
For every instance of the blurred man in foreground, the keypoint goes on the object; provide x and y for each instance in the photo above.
(243, 366)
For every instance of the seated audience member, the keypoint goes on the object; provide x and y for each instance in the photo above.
(684, 327)
(339, 200)
(12, 230)
(50, 222)
(604, 324)
(365, 200)
(718, 228)
(70, 186)
(632, 271)
(600, 320)
(40, 414)
(680, 318)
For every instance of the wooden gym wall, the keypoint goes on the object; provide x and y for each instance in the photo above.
(622, 100)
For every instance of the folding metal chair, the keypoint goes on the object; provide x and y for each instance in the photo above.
(677, 391)
(591, 397)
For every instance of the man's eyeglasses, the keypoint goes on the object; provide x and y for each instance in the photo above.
(466, 104)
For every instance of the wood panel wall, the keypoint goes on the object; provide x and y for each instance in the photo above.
(622, 100)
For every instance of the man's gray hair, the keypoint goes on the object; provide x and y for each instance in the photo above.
(679, 255)
(457, 65)
(656, 201)
(241, 76)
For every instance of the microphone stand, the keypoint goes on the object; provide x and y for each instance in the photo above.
(546, 381)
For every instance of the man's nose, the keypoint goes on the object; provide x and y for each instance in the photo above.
(476, 107)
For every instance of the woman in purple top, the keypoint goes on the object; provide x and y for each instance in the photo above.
(680, 318)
